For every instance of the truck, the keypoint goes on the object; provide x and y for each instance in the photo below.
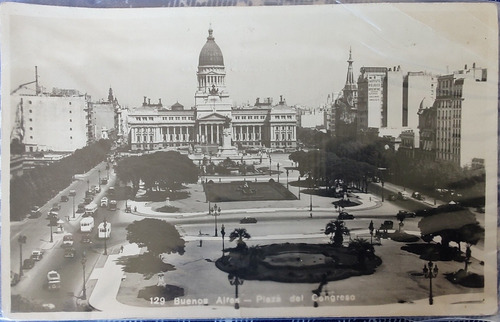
(112, 205)
(87, 224)
(104, 232)
(53, 280)
(90, 209)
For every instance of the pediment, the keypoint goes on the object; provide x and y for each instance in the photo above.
(213, 117)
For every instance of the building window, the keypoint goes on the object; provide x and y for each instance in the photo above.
(31, 128)
(30, 102)
(71, 129)
(31, 111)
(31, 120)
(70, 112)
(31, 137)
(69, 103)
(71, 138)
(70, 120)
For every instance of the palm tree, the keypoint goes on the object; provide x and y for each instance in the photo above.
(362, 248)
(336, 229)
(239, 233)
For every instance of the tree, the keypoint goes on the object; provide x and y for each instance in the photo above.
(362, 248)
(240, 234)
(459, 225)
(401, 216)
(336, 229)
(158, 236)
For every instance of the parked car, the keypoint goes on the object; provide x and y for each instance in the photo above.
(64, 198)
(391, 197)
(248, 220)
(28, 263)
(344, 215)
(387, 224)
(14, 278)
(56, 207)
(36, 255)
(104, 181)
(417, 195)
(72, 193)
(407, 214)
(403, 195)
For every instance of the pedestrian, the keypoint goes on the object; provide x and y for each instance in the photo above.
(121, 249)
(135, 208)
(370, 198)
(201, 242)
(311, 215)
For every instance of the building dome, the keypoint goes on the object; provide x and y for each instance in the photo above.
(210, 54)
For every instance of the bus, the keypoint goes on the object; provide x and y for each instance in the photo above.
(90, 209)
(87, 224)
(104, 233)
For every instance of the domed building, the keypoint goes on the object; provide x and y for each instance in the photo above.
(212, 126)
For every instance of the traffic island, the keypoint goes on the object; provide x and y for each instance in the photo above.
(298, 263)
(246, 191)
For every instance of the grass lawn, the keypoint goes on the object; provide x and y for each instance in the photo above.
(247, 191)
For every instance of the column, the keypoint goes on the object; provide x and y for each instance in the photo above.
(205, 139)
(217, 140)
(253, 133)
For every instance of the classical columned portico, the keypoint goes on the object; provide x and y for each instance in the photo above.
(209, 133)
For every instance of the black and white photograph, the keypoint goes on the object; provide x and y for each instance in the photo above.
(250, 161)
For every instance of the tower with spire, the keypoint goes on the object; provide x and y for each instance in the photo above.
(350, 91)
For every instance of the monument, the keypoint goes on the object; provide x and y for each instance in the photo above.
(227, 149)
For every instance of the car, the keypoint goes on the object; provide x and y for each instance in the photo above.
(69, 252)
(104, 202)
(248, 220)
(35, 212)
(97, 189)
(391, 197)
(28, 263)
(407, 214)
(344, 215)
(56, 207)
(104, 181)
(81, 208)
(14, 278)
(86, 238)
(72, 193)
(36, 255)
(64, 198)
(53, 280)
(68, 240)
(52, 215)
(480, 210)
(417, 195)
(403, 195)
(387, 224)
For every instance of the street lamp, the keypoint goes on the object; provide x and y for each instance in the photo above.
(73, 206)
(236, 281)
(278, 165)
(310, 194)
(299, 186)
(430, 271)
(370, 227)
(269, 164)
(88, 185)
(287, 178)
(215, 211)
(105, 224)
(51, 223)
(222, 232)
(84, 290)
(99, 173)
(21, 240)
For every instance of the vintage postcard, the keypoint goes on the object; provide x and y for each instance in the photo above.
(277, 162)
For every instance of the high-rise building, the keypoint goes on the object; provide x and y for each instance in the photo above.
(370, 104)
(56, 121)
(460, 97)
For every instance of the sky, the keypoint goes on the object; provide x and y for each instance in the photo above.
(299, 52)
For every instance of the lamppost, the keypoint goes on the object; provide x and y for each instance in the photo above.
(310, 193)
(105, 224)
(215, 211)
(299, 186)
(99, 174)
(51, 223)
(222, 232)
(430, 271)
(21, 240)
(84, 290)
(370, 227)
(236, 281)
(73, 206)
(287, 179)
(88, 185)
(278, 165)
(269, 164)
